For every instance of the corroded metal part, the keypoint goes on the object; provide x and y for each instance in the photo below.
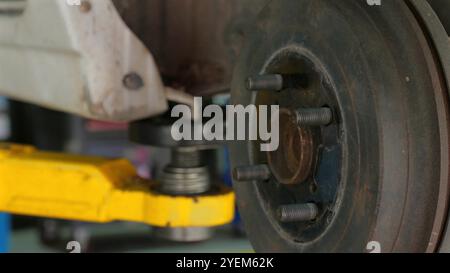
(293, 161)
(195, 42)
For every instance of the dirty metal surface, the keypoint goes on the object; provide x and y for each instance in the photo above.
(195, 42)
(433, 27)
(293, 162)
(387, 97)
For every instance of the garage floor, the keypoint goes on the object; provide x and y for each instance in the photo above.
(124, 237)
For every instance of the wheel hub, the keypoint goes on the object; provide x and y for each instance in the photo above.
(302, 190)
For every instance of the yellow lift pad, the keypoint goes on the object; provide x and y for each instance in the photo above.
(99, 190)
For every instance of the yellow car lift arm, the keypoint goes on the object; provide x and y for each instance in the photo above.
(99, 190)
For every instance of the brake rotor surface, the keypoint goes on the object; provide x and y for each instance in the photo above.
(379, 171)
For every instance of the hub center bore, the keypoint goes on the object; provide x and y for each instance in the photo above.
(293, 161)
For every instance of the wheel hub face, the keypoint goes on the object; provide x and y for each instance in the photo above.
(306, 167)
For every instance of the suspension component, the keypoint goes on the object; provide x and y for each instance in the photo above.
(185, 175)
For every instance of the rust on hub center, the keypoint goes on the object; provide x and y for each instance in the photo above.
(293, 161)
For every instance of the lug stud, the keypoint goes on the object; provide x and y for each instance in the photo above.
(265, 82)
(250, 173)
(314, 116)
(276, 82)
(297, 213)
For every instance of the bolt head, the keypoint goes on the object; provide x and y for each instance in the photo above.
(133, 81)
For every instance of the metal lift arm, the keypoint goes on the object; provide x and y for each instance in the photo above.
(100, 190)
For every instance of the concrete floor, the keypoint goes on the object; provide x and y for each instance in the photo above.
(124, 237)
